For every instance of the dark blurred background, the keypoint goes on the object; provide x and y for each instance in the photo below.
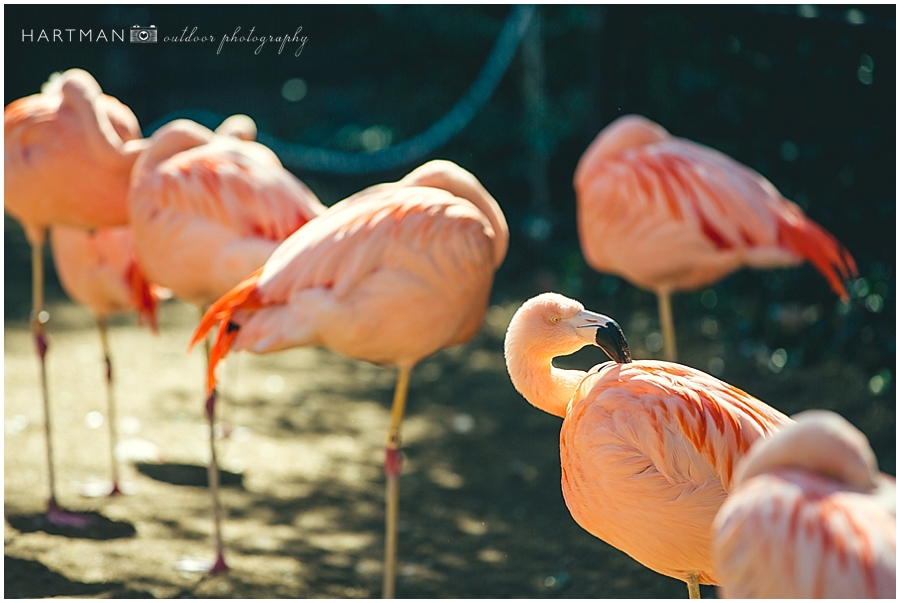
(805, 95)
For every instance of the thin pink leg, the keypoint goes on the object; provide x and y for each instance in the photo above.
(55, 514)
(392, 466)
(110, 407)
(219, 565)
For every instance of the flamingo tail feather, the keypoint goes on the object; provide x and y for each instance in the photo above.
(809, 240)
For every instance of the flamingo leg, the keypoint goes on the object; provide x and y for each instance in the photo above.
(110, 406)
(38, 321)
(213, 471)
(693, 586)
(392, 463)
(219, 565)
(667, 325)
(39, 317)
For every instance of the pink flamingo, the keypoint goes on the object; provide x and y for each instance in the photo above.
(669, 215)
(207, 209)
(97, 269)
(810, 517)
(68, 157)
(389, 275)
(647, 448)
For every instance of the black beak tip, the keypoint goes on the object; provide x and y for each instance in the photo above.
(611, 340)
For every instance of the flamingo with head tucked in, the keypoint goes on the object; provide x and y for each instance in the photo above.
(207, 209)
(669, 214)
(390, 275)
(810, 517)
(647, 448)
(68, 154)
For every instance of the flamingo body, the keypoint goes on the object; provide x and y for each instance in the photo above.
(810, 517)
(98, 270)
(389, 275)
(68, 155)
(647, 448)
(208, 208)
(669, 214)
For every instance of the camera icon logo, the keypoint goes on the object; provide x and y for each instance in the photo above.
(143, 35)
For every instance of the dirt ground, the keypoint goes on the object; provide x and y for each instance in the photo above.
(482, 515)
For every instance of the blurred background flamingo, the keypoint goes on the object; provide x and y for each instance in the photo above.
(207, 209)
(811, 517)
(669, 214)
(647, 448)
(98, 270)
(68, 153)
(389, 275)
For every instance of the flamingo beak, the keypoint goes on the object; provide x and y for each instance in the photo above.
(605, 333)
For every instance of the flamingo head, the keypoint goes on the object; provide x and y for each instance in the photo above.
(560, 326)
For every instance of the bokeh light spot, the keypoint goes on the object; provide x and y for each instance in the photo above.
(294, 90)
(778, 360)
(375, 138)
(879, 383)
(93, 419)
(274, 384)
(709, 326)
(807, 11)
(855, 17)
(789, 151)
(874, 303)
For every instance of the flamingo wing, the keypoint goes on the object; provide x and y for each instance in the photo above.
(654, 445)
(792, 534)
(233, 183)
(387, 226)
(701, 210)
(697, 427)
(92, 266)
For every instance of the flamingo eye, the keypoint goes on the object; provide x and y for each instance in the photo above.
(555, 318)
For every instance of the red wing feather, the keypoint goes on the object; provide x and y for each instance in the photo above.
(244, 296)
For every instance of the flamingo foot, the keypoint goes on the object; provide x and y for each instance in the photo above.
(393, 461)
(198, 566)
(98, 488)
(58, 516)
(219, 567)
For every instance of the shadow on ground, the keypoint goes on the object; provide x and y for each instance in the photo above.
(481, 513)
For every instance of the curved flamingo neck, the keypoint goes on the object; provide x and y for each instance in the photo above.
(542, 384)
